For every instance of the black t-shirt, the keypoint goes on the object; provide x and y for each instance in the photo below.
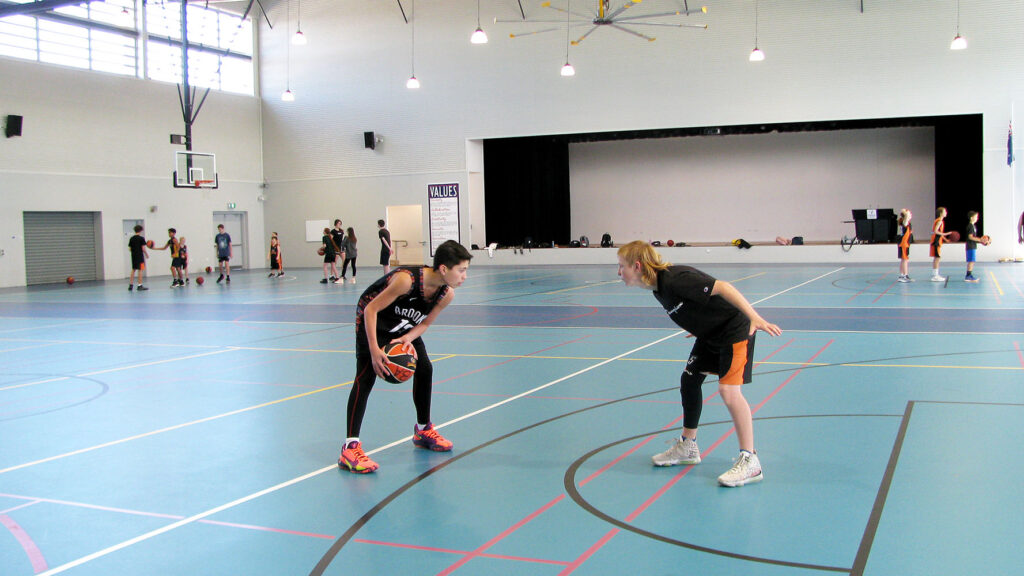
(339, 238)
(971, 230)
(135, 244)
(405, 313)
(385, 236)
(329, 251)
(685, 293)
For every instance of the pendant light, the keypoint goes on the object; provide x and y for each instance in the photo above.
(959, 42)
(299, 39)
(479, 36)
(288, 95)
(756, 55)
(567, 70)
(412, 83)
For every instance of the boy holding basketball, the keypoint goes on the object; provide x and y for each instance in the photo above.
(971, 245)
(398, 308)
(724, 325)
(177, 262)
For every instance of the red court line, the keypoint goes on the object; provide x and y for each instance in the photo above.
(865, 288)
(479, 551)
(35, 556)
(879, 297)
(661, 491)
(1020, 354)
(449, 551)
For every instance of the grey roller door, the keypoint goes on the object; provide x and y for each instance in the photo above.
(58, 245)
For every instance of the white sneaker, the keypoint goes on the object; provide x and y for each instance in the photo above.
(683, 451)
(938, 278)
(746, 470)
(339, 281)
(353, 279)
(903, 279)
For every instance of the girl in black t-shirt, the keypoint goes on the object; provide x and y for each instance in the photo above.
(724, 324)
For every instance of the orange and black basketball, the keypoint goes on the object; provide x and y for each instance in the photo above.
(149, 244)
(70, 279)
(953, 236)
(400, 365)
(200, 280)
(208, 269)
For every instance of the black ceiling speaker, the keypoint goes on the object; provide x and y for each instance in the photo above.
(369, 140)
(13, 126)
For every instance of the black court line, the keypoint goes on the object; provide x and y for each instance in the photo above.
(570, 484)
(860, 562)
(103, 389)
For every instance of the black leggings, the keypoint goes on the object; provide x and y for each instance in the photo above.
(344, 266)
(693, 397)
(422, 383)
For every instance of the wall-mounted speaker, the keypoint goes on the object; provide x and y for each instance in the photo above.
(369, 140)
(13, 125)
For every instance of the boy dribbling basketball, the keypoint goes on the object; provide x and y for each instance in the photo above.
(400, 307)
(724, 324)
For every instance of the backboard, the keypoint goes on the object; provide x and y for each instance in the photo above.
(195, 170)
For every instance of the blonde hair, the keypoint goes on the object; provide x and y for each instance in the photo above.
(649, 259)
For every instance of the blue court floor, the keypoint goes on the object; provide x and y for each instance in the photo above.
(196, 430)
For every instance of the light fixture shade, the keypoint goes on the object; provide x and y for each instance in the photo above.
(568, 70)
(412, 83)
(288, 95)
(478, 37)
(756, 55)
(299, 39)
(958, 43)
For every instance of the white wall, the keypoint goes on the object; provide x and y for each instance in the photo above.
(825, 61)
(100, 143)
(756, 187)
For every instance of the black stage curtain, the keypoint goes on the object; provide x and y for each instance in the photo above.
(526, 183)
(958, 172)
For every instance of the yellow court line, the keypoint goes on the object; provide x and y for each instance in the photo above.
(582, 287)
(119, 368)
(170, 428)
(998, 287)
(748, 277)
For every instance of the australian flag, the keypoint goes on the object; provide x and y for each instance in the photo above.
(1009, 146)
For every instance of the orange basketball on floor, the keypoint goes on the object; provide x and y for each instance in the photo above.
(400, 365)
(200, 280)
(954, 236)
(208, 269)
(70, 280)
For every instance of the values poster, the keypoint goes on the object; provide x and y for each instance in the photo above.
(444, 213)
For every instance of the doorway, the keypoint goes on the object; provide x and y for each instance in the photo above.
(406, 226)
(236, 226)
(127, 231)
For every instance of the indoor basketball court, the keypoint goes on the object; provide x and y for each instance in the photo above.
(197, 432)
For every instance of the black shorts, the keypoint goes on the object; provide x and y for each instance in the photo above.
(733, 363)
(223, 258)
(177, 262)
(385, 257)
(903, 252)
(138, 264)
(330, 258)
(275, 265)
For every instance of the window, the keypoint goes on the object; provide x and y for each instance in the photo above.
(105, 36)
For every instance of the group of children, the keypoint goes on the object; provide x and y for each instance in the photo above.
(905, 235)
(338, 244)
(137, 246)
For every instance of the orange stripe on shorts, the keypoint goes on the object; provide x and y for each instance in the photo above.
(739, 361)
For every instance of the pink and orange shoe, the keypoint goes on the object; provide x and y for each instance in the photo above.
(430, 439)
(355, 460)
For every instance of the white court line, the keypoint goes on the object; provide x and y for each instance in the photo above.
(118, 369)
(287, 483)
(46, 326)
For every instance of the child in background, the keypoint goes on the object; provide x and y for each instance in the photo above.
(938, 238)
(183, 255)
(905, 233)
(971, 245)
(276, 260)
(351, 252)
(137, 248)
(175, 246)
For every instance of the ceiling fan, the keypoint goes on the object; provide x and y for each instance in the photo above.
(617, 18)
